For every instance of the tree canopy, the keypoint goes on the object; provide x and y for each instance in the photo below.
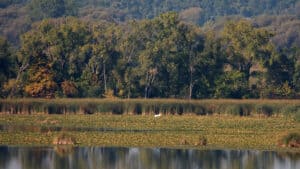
(161, 57)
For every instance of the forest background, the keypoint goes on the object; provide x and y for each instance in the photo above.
(150, 48)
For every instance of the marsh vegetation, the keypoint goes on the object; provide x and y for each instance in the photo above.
(247, 107)
(213, 131)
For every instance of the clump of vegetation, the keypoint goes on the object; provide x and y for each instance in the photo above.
(265, 110)
(138, 109)
(237, 109)
(64, 139)
(184, 142)
(291, 140)
(202, 141)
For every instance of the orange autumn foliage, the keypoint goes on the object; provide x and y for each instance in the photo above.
(42, 84)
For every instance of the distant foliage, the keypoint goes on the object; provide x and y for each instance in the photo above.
(210, 9)
(200, 12)
(41, 9)
(5, 3)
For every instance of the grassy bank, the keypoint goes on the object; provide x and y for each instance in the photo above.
(151, 106)
(251, 132)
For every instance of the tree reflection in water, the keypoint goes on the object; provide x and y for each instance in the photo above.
(143, 158)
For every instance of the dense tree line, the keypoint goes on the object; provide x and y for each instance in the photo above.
(160, 57)
(16, 16)
(209, 9)
(5, 3)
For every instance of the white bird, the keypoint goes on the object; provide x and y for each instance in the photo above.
(157, 115)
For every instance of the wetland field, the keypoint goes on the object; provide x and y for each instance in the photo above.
(207, 124)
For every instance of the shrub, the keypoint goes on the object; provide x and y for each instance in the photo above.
(265, 110)
(289, 109)
(180, 110)
(89, 109)
(55, 109)
(290, 140)
(117, 109)
(245, 110)
(156, 110)
(172, 110)
(184, 142)
(232, 109)
(202, 141)
(138, 109)
(200, 110)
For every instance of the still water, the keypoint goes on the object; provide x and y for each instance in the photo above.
(142, 158)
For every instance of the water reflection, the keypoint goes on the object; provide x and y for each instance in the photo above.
(141, 158)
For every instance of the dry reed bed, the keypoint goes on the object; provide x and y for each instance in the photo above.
(150, 106)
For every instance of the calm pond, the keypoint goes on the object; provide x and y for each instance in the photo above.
(142, 158)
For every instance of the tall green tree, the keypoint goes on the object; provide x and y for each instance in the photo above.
(282, 74)
(97, 74)
(41, 77)
(170, 54)
(209, 66)
(7, 63)
(51, 52)
(131, 44)
(246, 46)
(296, 75)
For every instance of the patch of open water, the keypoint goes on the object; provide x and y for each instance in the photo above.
(142, 158)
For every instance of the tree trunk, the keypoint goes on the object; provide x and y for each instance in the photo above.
(245, 68)
(191, 69)
(104, 77)
(146, 86)
(21, 70)
(191, 83)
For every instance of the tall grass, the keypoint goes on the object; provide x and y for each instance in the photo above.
(151, 106)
